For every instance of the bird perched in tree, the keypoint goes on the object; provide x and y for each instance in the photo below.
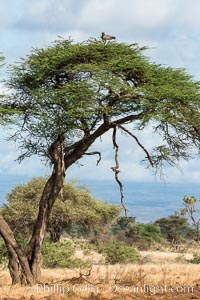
(106, 37)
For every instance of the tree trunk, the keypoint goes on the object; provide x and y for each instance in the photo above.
(197, 231)
(25, 265)
(14, 266)
(51, 191)
(49, 195)
(16, 255)
(55, 234)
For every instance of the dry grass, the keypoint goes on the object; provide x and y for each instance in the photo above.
(155, 257)
(159, 257)
(119, 282)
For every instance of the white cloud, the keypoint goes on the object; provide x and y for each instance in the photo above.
(8, 12)
(125, 17)
(188, 13)
(48, 15)
(164, 23)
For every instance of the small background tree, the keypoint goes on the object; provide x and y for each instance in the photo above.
(142, 236)
(175, 229)
(75, 212)
(190, 203)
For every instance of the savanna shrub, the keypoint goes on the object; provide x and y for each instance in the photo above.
(196, 259)
(59, 255)
(117, 252)
(143, 235)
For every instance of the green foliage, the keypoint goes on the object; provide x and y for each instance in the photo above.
(5, 112)
(190, 208)
(59, 255)
(3, 251)
(72, 89)
(143, 235)
(21, 240)
(175, 228)
(122, 224)
(76, 211)
(117, 252)
(196, 258)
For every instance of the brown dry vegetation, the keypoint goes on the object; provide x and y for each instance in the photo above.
(153, 278)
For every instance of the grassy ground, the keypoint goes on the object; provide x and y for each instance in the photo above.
(159, 276)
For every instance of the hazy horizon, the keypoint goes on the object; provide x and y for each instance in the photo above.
(147, 201)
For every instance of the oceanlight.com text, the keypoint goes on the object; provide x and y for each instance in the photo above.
(115, 289)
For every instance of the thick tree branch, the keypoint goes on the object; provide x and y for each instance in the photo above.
(50, 193)
(8, 236)
(128, 119)
(79, 148)
(120, 96)
(56, 149)
(61, 161)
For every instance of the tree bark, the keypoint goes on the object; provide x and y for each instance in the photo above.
(17, 253)
(55, 234)
(25, 265)
(14, 266)
(49, 195)
(61, 163)
(30, 259)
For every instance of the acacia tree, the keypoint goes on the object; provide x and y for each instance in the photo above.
(5, 112)
(69, 95)
(190, 203)
(175, 229)
(76, 207)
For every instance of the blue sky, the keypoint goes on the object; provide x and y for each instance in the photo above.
(171, 29)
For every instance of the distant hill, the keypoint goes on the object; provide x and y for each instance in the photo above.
(147, 201)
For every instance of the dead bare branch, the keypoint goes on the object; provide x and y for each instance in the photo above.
(139, 144)
(80, 279)
(117, 171)
(94, 153)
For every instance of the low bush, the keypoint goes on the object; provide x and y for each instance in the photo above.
(117, 252)
(143, 235)
(196, 258)
(59, 255)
